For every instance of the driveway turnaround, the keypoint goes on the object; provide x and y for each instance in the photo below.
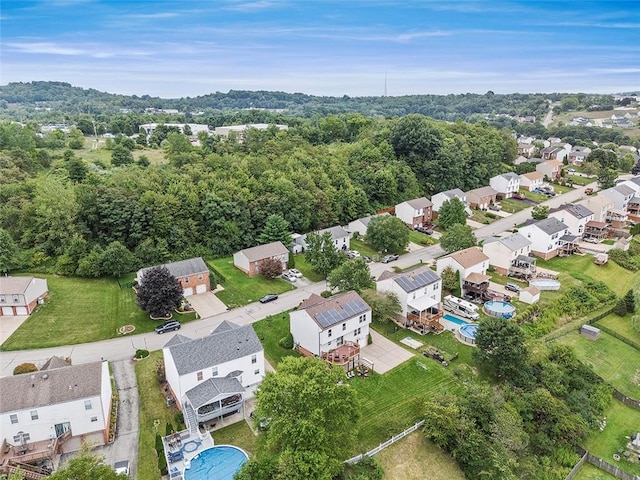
(206, 304)
(384, 354)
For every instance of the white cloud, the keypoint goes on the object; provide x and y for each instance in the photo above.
(252, 6)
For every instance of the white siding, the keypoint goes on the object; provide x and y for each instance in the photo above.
(37, 288)
(241, 261)
(308, 334)
(305, 331)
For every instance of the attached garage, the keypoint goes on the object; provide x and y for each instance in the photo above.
(201, 288)
(188, 292)
(21, 311)
(7, 311)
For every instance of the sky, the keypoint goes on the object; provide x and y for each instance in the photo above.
(187, 48)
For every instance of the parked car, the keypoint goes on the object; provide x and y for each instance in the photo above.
(512, 287)
(571, 170)
(270, 297)
(367, 259)
(495, 207)
(519, 196)
(122, 467)
(390, 258)
(591, 240)
(289, 277)
(170, 326)
(550, 194)
(353, 254)
(295, 273)
(537, 190)
(426, 231)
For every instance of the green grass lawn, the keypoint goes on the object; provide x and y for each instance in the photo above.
(154, 416)
(242, 289)
(421, 238)
(306, 269)
(238, 434)
(621, 325)
(80, 310)
(512, 205)
(580, 180)
(589, 472)
(615, 361)
(622, 421)
(483, 217)
(364, 248)
(270, 331)
(534, 197)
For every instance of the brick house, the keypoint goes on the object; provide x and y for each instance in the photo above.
(193, 275)
(251, 259)
(415, 213)
(20, 295)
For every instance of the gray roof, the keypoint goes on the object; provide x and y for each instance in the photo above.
(223, 345)
(208, 390)
(183, 268)
(269, 250)
(454, 193)
(54, 362)
(177, 340)
(624, 190)
(417, 278)
(51, 387)
(9, 285)
(551, 225)
(419, 203)
(514, 242)
(635, 180)
(510, 176)
(569, 238)
(336, 232)
(482, 192)
(577, 210)
(327, 312)
(634, 200)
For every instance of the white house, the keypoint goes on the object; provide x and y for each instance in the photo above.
(61, 399)
(503, 252)
(578, 154)
(468, 261)
(418, 290)
(415, 213)
(250, 260)
(506, 184)
(600, 205)
(339, 236)
(439, 198)
(621, 195)
(574, 216)
(21, 295)
(550, 169)
(321, 325)
(531, 180)
(360, 225)
(212, 376)
(545, 237)
(634, 184)
(526, 149)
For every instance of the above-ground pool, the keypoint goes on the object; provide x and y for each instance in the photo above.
(216, 463)
(499, 309)
(467, 333)
(545, 284)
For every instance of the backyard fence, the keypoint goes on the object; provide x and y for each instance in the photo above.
(601, 464)
(576, 468)
(391, 441)
(576, 324)
(630, 402)
(622, 338)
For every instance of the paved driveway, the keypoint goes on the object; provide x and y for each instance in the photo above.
(207, 304)
(384, 354)
(8, 325)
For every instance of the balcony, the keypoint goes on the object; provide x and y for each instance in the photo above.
(343, 355)
(219, 408)
(523, 267)
(425, 321)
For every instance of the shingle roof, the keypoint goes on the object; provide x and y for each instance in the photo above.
(51, 387)
(532, 175)
(551, 225)
(54, 362)
(469, 257)
(482, 192)
(208, 390)
(219, 347)
(333, 310)
(183, 268)
(454, 193)
(336, 232)
(269, 250)
(577, 210)
(624, 190)
(477, 278)
(419, 203)
(510, 175)
(9, 285)
(514, 242)
(417, 278)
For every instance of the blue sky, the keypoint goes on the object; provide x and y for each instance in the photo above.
(185, 48)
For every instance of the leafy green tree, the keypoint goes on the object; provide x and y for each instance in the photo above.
(606, 178)
(501, 347)
(630, 301)
(451, 213)
(275, 230)
(458, 237)
(603, 157)
(159, 293)
(91, 264)
(351, 275)
(322, 255)
(117, 260)
(384, 305)
(312, 418)
(450, 281)
(76, 139)
(387, 233)
(540, 212)
(84, 466)
(9, 252)
(76, 169)
(120, 155)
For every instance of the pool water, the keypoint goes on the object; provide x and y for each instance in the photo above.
(216, 463)
(456, 320)
(499, 307)
(469, 331)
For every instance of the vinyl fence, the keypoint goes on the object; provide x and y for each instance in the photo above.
(391, 441)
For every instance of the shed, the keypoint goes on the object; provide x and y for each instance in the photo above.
(529, 295)
(590, 332)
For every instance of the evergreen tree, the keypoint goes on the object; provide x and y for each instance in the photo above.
(275, 230)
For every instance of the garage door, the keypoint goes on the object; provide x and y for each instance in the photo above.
(21, 311)
(188, 291)
(7, 311)
(201, 288)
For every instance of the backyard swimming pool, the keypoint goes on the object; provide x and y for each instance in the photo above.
(467, 333)
(216, 463)
(499, 309)
(458, 321)
(545, 284)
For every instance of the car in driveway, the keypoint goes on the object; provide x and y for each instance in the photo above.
(270, 297)
(289, 277)
(390, 258)
(353, 254)
(495, 207)
(296, 273)
(591, 240)
(170, 326)
(512, 287)
(519, 196)
(426, 231)
(122, 467)
(571, 170)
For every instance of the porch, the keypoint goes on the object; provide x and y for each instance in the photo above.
(597, 230)
(475, 285)
(617, 218)
(34, 459)
(523, 267)
(424, 316)
(346, 356)
(569, 245)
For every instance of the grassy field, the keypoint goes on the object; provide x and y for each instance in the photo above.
(270, 331)
(363, 247)
(512, 205)
(241, 289)
(483, 217)
(421, 238)
(622, 421)
(589, 472)
(154, 415)
(80, 310)
(306, 269)
(615, 361)
(238, 434)
(416, 458)
(621, 325)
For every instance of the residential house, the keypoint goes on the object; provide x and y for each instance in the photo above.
(419, 292)
(600, 205)
(526, 149)
(415, 213)
(550, 169)
(333, 328)
(340, 237)
(472, 264)
(531, 180)
(621, 195)
(481, 197)
(250, 260)
(578, 154)
(633, 184)
(212, 376)
(573, 215)
(439, 198)
(503, 252)
(55, 403)
(545, 236)
(633, 209)
(21, 295)
(361, 224)
(506, 184)
(193, 275)
(554, 152)
(520, 159)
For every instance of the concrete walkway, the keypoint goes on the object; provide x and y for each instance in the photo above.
(384, 354)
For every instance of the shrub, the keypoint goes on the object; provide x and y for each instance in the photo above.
(620, 308)
(141, 353)
(286, 342)
(325, 294)
(369, 339)
(25, 368)
(162, 461)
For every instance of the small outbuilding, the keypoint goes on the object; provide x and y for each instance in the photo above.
(529, 295)
(589, 331)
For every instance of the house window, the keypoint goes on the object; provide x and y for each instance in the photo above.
(357, 332)
(329, 343)
(186, 279)
(254, 359)
(344, 327)
(16, 299)
(34, 415)
(256, 372)
(435, 286)
(214, 372)
(199, 375)
(94, 419)
(14, 418)
(362, 318)
(329, 333)
(87, 405)
(200, 276)
(2, 299)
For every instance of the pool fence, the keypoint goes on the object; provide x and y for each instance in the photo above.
(384, 445)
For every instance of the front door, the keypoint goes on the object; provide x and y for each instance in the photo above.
(62, 428)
